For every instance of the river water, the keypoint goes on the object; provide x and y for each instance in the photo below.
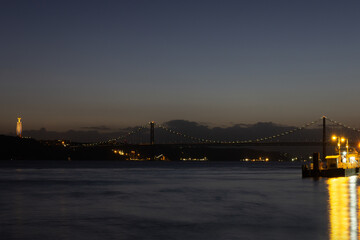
(174, 200)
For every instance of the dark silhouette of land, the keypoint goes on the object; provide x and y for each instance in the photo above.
(15, 148)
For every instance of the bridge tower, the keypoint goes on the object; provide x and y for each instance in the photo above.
(324, 138)
(152, 133)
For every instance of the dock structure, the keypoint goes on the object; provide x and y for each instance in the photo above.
(334, 166)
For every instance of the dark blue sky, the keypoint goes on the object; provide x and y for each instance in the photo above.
(72, 64)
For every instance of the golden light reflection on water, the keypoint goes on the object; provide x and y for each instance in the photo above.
(343, 208)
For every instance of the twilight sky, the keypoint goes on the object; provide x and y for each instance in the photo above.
(75, 64)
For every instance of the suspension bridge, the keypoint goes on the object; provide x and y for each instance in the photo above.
(160, 134)
(154, 139)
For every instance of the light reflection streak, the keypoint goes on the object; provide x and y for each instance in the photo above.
(353, 207)
(358, 213)
(343, 208)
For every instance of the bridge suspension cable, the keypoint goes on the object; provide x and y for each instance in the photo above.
(289, 132)
(124, 136)
(207, 140)
(204, 140)
(343, 125)
(185, 135)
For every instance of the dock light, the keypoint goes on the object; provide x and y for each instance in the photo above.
(339, 141)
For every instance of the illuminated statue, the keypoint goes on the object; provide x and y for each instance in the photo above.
(19, 127)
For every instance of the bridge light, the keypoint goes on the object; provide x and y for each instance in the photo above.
(334, 137)
(342, 139)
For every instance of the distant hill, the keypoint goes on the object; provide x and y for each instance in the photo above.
(14, 148)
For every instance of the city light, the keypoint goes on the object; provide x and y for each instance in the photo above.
(260, 159)
(339, 141)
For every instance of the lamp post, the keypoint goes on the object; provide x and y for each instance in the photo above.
(339, 141)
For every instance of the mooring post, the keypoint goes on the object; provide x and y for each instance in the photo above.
(324, 139)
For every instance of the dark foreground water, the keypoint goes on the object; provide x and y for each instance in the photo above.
(173, 200)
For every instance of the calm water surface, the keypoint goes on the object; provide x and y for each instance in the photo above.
(173, 200)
